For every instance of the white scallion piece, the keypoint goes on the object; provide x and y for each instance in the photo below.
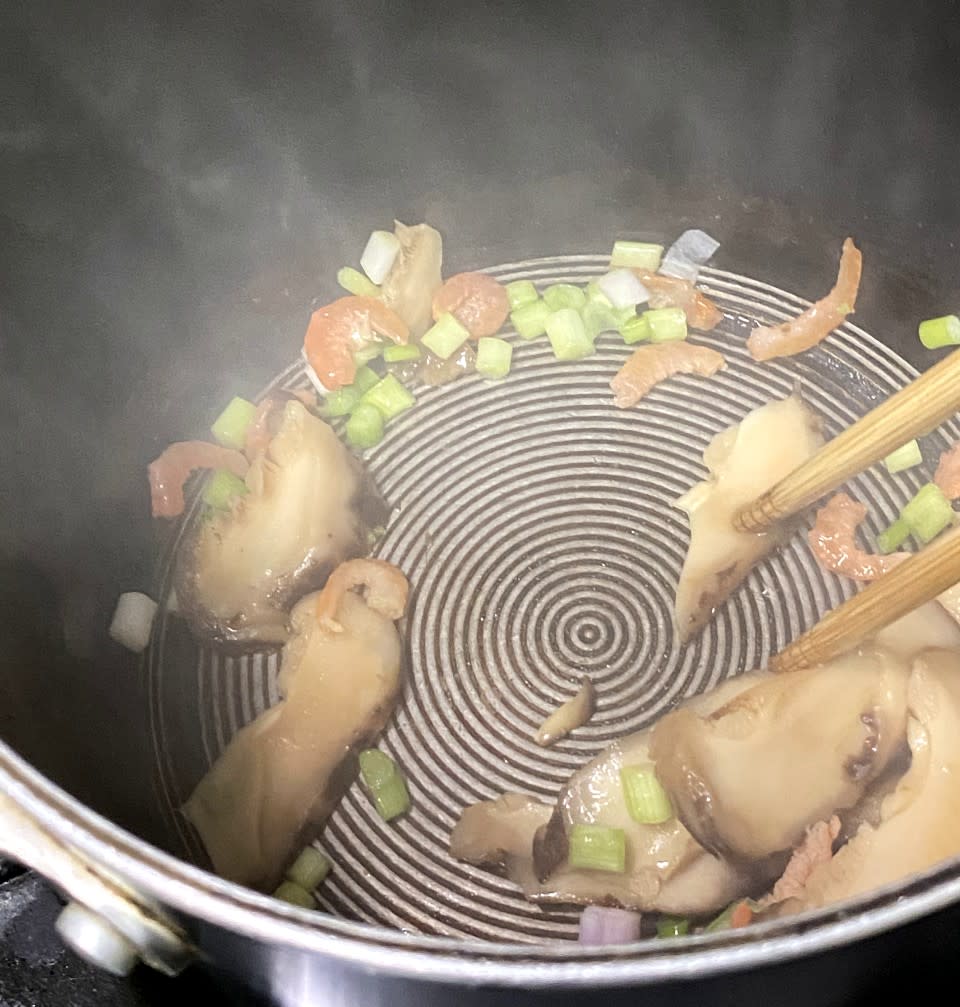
(688, 253)
(378, 257)
(133, 620)
(622, 288)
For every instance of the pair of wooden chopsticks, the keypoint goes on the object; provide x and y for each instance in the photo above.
(915, 410)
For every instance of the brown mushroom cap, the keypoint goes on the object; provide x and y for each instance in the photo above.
(242, 569)
(747, 779)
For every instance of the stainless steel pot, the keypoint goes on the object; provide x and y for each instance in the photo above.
(156, 165)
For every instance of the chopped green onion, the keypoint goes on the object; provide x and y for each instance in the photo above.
(364, 428)
(354, 282)
(646, 799)
(222, 489)
(903, 458)
(368, 353)
(928, 513)
(493, 357)
(636, 329)
(636, 255)
(530, 320)
(341, 401)
(893, 537)
(568, 336)
(309, 869)
(398, 354)
(389, 396)
(598, 848)
(937, 332)
(721, 922)
(666, 324)
(445, 336)
(597, 318)
(673, 926)
(595, 294)
(564, 295)
(287, 891)
(365, 379)
(230, 427)
(385, 783)
(521, 292)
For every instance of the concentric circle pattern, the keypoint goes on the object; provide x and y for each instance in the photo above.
(535, 522)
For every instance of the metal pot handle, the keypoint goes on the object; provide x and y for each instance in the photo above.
(105, 921)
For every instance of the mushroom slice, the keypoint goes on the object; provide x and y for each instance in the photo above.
(744, 461)
(667, 869)
(748, 778)
(568, 716)
(282, 775)
(240, 570)
(415, 276)
(920, 820)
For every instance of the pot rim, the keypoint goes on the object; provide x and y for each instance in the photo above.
(197, 893)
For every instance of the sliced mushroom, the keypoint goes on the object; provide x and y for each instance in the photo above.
(568, 716)
(667, 870)
(281, 776)
(920, 820)
(415, 275)
(744, 461)
(747, 779)
(305, 512)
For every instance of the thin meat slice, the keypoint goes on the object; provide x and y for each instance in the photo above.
(649, 365)
(947, 476)
(833, 541)
(817, 322)
(170, 471)
(673, 292)
(815, 849)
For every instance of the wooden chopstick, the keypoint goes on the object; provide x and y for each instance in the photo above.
(915, 581)
(924, 404)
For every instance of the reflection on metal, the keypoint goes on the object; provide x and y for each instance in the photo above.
(106, 922)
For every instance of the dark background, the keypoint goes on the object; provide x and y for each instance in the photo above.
(179, 181)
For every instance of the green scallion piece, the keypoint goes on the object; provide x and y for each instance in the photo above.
(646, 799)
(673, 926)
(309, 869)
(636, 329)
(389, 396)
(287, 891)
(568, 335)
(493, 357)
(597, 318)
(928, 513)
(354, 282)
(893, 537)
(596, 295)
(230, 427)
(368, 353)
(937, 332)
(903, 458)
(385, 783)
(399, 354)
(521, 292)
(341, 402)
(564, 295)
(530, 320)
(365, 379)
(666, 324)
(445, 336)
(597, 848)
(636, 255)
(364, 428)
(222, 488)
